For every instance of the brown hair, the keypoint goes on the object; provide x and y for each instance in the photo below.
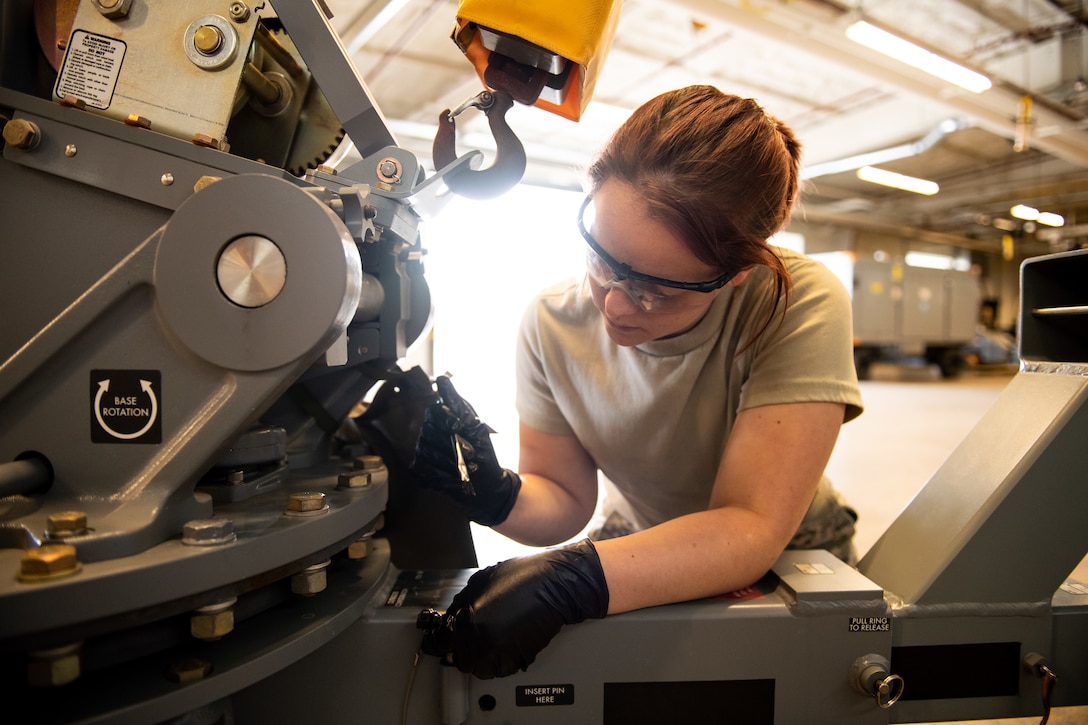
(715, 168)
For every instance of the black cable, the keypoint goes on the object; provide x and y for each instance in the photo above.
(27, 475)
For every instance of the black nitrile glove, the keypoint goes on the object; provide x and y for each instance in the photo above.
(454, 440)
(508, 613)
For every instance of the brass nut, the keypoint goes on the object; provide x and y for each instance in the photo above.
(113, 9)
(72, 101)
(49, 561)
(64, 524)
(369, 463)
(353, 479)
(22, 134)
(213, 621)
(205, 181)
(203, 139)
(375, 466)
(311, 580)
(360, 549)
(135, 119)
(54, 667)
(192, 669)
(239, 12)
(208, 532)
(307, 502)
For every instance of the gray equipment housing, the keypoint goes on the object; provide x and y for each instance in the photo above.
(196, 524)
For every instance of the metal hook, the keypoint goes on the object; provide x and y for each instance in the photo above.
(509, 164)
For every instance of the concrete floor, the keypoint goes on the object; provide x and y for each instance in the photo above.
(913, 420)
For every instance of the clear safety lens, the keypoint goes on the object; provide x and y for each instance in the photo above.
(642, 294)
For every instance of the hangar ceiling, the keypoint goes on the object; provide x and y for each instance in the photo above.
(844, 100)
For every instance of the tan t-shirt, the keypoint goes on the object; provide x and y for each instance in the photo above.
(655, 417)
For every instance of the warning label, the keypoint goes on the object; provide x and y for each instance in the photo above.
(543, 695)
(870, 624)
(126, 406)
(92, 64)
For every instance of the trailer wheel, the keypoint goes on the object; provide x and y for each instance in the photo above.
(948, 359)
(863, 361)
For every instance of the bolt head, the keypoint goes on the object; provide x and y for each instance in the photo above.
(113, 9)
(48, 561)
(306, 501)
(66, 523)
(208, 532)
(353, 479)
(53, 670)
(239, 12)
(21, 134)
(211, 626)
(360, 549)
(309, 583)
(192, 669)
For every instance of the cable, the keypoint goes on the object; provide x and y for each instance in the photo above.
(408, 689)
(1049, 680)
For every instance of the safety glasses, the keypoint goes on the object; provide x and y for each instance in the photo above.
(649, 292)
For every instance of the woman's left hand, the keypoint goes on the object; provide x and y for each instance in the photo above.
(508, 612)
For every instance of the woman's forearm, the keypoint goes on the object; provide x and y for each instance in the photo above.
(545, 513)
(699, 555)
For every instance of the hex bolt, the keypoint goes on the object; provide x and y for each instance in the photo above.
(208, 532)
(311, 580)
(66, 524)
(361, 548)
(239, 12)
(192, 669)
(167, 179)
(70, 150)
(49, 561)
(353, 479)
(22, 134)
(55, 666)
(368, 463)
(203, 139)
(113, 9)
(306, 503)
(72, 101)
(135, 119)
(205, 181)
(211, 622)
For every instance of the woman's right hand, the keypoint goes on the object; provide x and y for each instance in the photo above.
(454, 455)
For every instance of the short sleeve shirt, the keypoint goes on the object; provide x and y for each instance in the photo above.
(655, 417)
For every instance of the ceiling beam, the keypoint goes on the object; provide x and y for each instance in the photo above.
(994, 110)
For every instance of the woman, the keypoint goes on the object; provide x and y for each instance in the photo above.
(703, 372)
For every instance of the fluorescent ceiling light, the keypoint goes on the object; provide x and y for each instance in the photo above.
(1025, 212)
(897, 181)
(931, 260)
(895, 47)
(1031, 214)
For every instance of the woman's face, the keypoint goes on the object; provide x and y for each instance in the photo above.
(622, 227)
